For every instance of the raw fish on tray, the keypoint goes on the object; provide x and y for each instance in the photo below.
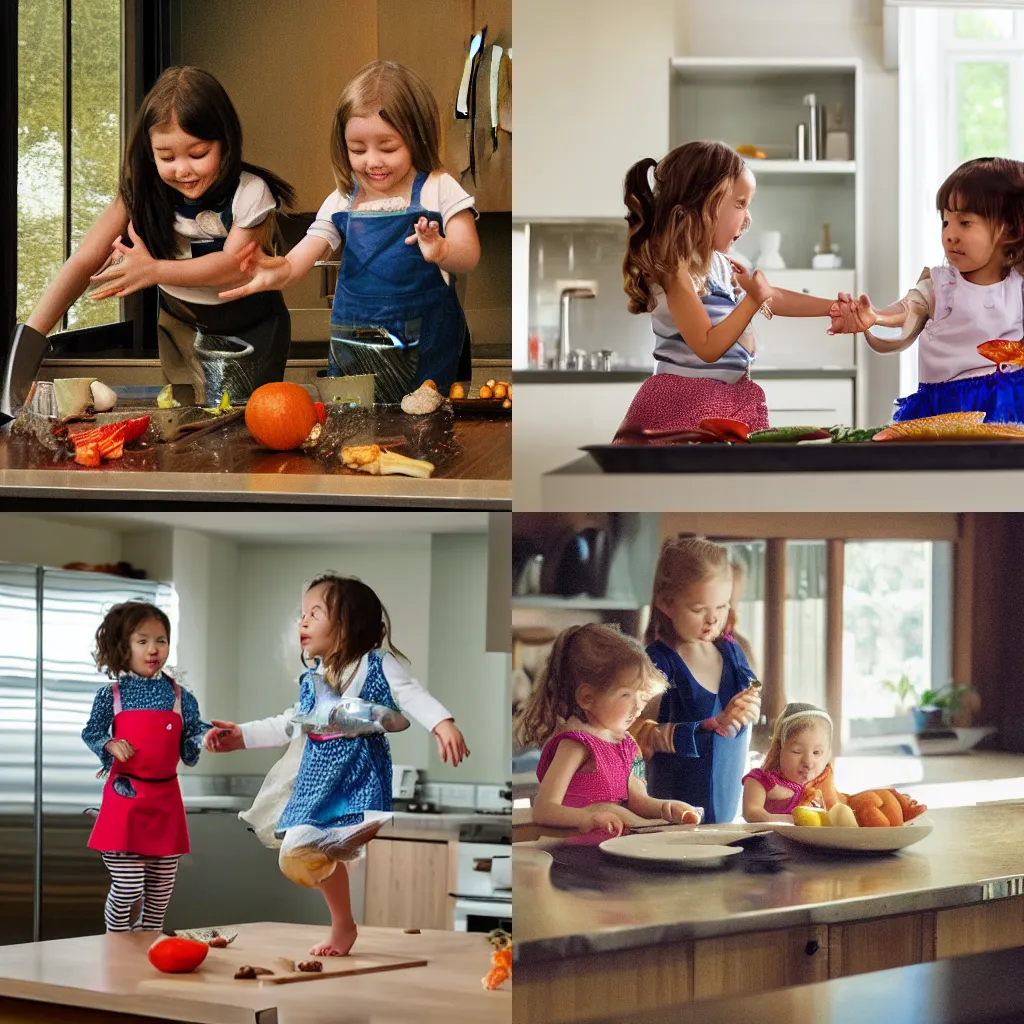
(950, 426)
(350, 717)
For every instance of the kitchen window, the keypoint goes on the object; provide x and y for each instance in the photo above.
(69, 140)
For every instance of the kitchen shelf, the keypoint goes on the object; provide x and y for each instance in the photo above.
(594, 604)
(802, 166)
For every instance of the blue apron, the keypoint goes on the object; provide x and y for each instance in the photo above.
(393, 315)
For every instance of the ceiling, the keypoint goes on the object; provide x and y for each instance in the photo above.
(282, 527)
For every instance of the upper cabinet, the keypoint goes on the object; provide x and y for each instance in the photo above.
(595, 100)
(434, 40)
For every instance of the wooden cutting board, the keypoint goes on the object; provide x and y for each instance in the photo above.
(220, 966)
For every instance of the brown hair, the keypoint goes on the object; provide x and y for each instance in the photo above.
(404, 101)
(198, 102)
(113, 639)
(991, 187)
(360, 622)
(795, 718)
(593, 654)
(683, 561)
(674, 222)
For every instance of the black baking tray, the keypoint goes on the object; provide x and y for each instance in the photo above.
(865, 457)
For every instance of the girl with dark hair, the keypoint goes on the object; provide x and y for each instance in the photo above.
(140, 726)
(186, 204)
(685, 214)
(976, 296)
(331, 792)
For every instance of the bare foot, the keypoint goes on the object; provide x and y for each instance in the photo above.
(339, 943)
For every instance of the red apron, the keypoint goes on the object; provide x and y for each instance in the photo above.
(151, 823)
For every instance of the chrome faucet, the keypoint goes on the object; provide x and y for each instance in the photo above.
(567, 295)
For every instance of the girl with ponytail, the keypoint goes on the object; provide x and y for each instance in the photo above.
(685, 214)
(594, 685)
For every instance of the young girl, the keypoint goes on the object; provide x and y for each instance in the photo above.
(591, 690)
(140, 726)
(695, 736)
(975, 297)
(407, 227)
(188, 203)
(797, 763)
(322, 805)
(680, 229)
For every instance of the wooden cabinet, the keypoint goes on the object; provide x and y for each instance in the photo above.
(433, 39)
(407, 884)
(877, 945)
(962, 931)
(593, 100)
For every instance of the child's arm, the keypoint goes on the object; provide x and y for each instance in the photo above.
(271, 273)
(754, 796)
(547, 805)
(259, 735)
(427, 710)
(98, 731)
(676, 811)
(73, 278)
(691, 318)
(193, 729)
(458, 251)
(136, 268)
(680, 738)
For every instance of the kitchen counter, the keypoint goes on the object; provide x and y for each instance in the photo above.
(444, 827)
(589, 931)
(637, 374)
(950, 477)
(110, 979)
(226, 466)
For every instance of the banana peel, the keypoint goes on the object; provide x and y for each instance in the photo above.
(372, 459)
(223, 407)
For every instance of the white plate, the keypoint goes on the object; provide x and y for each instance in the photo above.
(669, 848)
(860, 840)
(711, 835)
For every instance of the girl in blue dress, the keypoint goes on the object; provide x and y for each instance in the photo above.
(406, 227)
(330, 794)
(695, 736)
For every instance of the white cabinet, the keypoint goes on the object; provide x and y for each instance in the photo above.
(592, 100)
(552, 421)
(808, 402)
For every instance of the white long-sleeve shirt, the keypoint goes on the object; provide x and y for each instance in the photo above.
(408, 692)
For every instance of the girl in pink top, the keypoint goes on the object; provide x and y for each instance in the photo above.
(594, 686)
(800, 755)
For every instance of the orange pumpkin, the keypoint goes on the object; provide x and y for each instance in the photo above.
(280, 415)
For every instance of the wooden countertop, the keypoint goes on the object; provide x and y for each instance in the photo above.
(473, 460)
(586, 903)
(112, 981)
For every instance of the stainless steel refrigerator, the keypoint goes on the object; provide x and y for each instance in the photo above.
(51, 885)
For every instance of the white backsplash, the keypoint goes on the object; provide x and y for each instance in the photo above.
(463, 795)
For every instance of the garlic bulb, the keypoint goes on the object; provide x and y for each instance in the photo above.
(103, 398)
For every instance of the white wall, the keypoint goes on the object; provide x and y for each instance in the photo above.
(472, 684)
(44, 542)
(826, 28)
(270, 581)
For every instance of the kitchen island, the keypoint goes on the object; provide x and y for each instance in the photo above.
(594, 938)
(961, 476)
(108, 979)
(472, 459)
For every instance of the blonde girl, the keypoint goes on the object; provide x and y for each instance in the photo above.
(407, 227)
(591, 690)
(695, 736)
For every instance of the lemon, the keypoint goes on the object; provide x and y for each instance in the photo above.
(809, 816)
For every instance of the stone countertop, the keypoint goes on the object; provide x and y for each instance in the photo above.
(637, 374)
(585, 903)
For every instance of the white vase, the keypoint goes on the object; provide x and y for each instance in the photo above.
(770, 258)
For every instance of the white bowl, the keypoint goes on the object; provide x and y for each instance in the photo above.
(860, 840)
(673, 848)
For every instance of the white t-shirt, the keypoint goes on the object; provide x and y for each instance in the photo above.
(250, 205)
(409, 694)
(440, 192)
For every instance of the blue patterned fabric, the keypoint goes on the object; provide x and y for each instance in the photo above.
(999, 395)
(141, 694)
(340, 778)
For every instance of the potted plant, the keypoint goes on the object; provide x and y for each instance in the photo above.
(932, 709)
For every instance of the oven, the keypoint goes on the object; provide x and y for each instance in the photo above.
(483, 887)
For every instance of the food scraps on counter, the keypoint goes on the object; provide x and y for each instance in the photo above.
(372, 459)
(423, 401)
(501, 960)
(223, 406)
(92, 446)
(166, 399)
(247, 973)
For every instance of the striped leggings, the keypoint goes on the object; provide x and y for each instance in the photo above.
(133, 878)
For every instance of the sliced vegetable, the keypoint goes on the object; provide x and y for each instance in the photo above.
(782, 435)
(726, 429)
(853, 435)
(88, 455)
(321, 411)
(166, 400)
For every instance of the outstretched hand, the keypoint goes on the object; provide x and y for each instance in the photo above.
(129, 269)
(223, 737)
(266, 273)
(451, 744)
(427, 235)
(851, 316)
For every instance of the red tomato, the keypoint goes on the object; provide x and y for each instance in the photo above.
(175, 955)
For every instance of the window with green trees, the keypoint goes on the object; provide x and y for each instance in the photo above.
(52, 151)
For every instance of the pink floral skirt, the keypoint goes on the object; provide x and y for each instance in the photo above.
(667, 401)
